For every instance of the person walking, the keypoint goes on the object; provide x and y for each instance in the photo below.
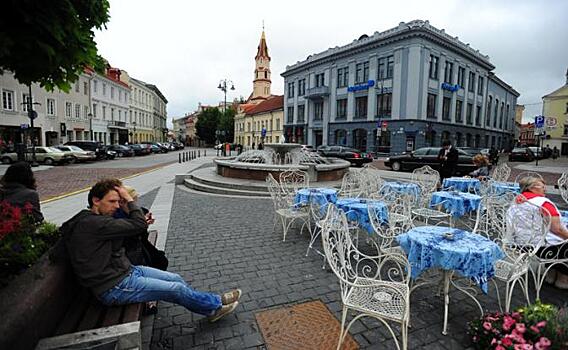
(555, 153)
(448, 158)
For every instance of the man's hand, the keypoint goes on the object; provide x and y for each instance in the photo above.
(150, 219)
(123, 193)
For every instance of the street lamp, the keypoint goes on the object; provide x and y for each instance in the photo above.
(32, 115)
(224, 86)
(133, 134)
(90, 116)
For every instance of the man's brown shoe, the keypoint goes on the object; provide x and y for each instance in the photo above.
(223, 311)
(231, 296)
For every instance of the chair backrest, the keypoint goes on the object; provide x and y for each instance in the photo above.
(385, 232)
(279, 199)
(501, 172)
(528, 174)
(427, 178)
(371, 181)
(527, 226)
(293, 180)
(563, 186)
(491, 220)
(351, 186)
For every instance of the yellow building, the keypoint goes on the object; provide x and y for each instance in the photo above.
(555, 110)
(262, 110)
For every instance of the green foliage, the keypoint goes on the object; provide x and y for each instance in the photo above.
(50, 42)
(207, 124)
(227, 122)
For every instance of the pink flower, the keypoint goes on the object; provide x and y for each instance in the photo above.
(544, 343)
(508, 322)
(535, 329)
(487, 325)
(493, 341)
(520, 327)
(541, 324)
(499, 347)
(507, 341)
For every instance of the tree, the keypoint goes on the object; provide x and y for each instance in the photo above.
(227, 124)
(207, 124)
(50, 42)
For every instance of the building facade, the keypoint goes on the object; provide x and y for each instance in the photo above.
(109, 97)
(179, 128)
(61, 116)
(261, 123)
(408, 87)
(141, 111)
(555, 111)
(526, 135)
(159, 114)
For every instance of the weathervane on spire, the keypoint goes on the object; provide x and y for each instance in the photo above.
(263, 25)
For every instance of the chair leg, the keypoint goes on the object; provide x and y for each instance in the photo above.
(342, 331)
(284, 228)
(404, 331)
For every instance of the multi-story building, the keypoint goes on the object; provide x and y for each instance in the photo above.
(61, 116)
(410, 86)
(519, 111)
(141, 111)
(109, 98)
(555, 111)
(526, 136)
(179, 128)
(159, 114)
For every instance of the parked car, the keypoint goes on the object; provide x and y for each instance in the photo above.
(140, 150)
(521, 154)
(308, 148)
(93, 146)
(78, 154)
(538, 152)
(122, 150)
(156, 147)
(428, 156)
(471, 150)
(351, 155)
(51, 155)
(8, 157)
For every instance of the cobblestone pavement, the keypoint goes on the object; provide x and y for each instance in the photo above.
(60, 180)
(217, 243)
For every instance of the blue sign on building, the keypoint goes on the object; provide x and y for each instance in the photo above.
(450, 87)
(263, 132)
(539, 121)
(360, 87)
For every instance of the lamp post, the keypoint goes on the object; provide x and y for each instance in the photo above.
(133, 132)
(224, 86)
(32, 115)
(90, 116)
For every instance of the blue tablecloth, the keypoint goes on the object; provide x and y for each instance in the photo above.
(402, 187)
(462, 184)
(564, 217)
(456, 203)
(504, 187)
(356, 210)
(469, 254)
(320, 196)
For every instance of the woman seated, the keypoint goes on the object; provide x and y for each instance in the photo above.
(19, 188)
(556, 241)
(482, 164)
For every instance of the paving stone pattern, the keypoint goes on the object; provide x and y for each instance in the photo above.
(217, 243)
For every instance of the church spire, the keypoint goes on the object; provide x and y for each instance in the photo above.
(262, 47)
(262, 81)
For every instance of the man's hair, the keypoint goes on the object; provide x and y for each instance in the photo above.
(20, 173)
(446, 143)
(101, 188)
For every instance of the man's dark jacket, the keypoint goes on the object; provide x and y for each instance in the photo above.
(94, 244)
(18, 195)
(449, 165)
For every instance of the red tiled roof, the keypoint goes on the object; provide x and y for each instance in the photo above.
(273, 103)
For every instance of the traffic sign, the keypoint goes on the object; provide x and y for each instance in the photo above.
(539, 121)
(24, 126)
(551, 122)
(32, 115)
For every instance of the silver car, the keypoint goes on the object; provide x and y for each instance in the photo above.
(78, 154)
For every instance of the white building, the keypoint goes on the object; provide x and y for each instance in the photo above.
(110, 98)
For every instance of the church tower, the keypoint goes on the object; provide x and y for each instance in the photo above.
(261, 82)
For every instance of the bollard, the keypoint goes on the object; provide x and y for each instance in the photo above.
(179, 161)
(198, 153)
(193, 154)
(183, 156)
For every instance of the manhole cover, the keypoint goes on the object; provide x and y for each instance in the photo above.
(304, 326)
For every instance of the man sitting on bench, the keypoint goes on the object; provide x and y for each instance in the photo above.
(94, 242)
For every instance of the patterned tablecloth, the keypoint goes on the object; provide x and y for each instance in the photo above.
(462, 184)
(504, 187)
(469, 254)
(402, 187)
(456, 203)
(320, 196)
(356, 210)
(564, 217)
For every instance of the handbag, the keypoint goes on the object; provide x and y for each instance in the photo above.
(154, 257)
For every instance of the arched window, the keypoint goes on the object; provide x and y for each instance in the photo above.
(360, 139)
(468, 140)
(446, 136)
(459, 139)
(341, 137)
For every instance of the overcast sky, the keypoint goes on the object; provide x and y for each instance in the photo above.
(187, 47)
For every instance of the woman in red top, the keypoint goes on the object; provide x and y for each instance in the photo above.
(556, 245)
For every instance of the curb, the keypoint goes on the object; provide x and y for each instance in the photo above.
(68, 194)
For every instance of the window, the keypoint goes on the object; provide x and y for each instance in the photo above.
(301, 87)
(381, 72)
(290, 90)
(507, 117)
(566, 108)
(50, 106)
(478, 115)
(85, 112)
(342, 77)
(25, 102)
(95, 110)
(565, 129)
(77, 87)
(446, 101)
(480, 85)
(384, 105)
(468, 114)
(112, 92)
(8, 100)
(105, 112)
(361, 73)
(342, 108)
(501, 116)
(496, 113)
(301, 110)
(77, 111)
(459, 107)
(320, 80)
(448, 73)
(488, 112)
(85, 88)
(119, 114)
(290, 115)
(318, 110)
(104, 89)
(390, 66)
(120, 95)
(68, 108)
(431, 106)
(433, 67)
(361, 107)
(95, 85)
(471, 83)
(461, 76)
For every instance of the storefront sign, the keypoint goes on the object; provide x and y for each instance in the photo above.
(24, 126)
(450, 87)
(551, 122)
(360, 87)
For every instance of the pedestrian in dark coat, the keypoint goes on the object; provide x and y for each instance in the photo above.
(448, 158)
(19, 188)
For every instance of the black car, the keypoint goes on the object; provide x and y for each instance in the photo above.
(140, 150)
(121, 150)
(428, 156)
(93, 146)
(156, 147)
(351, 155)
(521, 154)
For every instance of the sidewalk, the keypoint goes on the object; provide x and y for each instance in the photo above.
(558, 166)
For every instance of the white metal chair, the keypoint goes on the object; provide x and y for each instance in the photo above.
(288, 213)
(527, 174)
(351, 186)
(563, 186)
(293, 180)
(500, 173)
(371, 180)
(427, 179)
(371, 287)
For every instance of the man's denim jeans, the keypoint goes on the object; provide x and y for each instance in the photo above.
(149, 284)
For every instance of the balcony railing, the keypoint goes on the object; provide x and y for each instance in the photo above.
(317, 92)
(116, 124)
